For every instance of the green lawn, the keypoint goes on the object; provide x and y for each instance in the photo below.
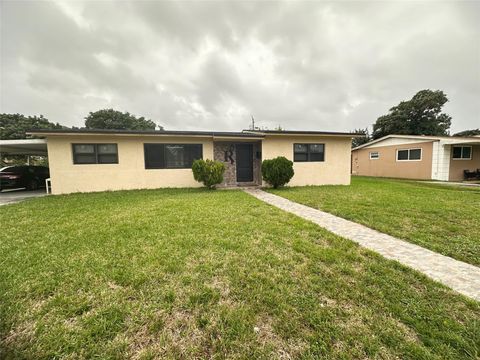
(210, 274)
(442, 218)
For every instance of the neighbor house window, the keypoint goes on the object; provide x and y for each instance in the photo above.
(462, 153)
(374, 155)
(171, 156)
(95, 153)
(409, 155)
(308, 152)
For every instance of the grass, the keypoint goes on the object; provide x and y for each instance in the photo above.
(445, 219)
(199, 274)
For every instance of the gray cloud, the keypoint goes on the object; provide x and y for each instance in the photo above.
(209, 65)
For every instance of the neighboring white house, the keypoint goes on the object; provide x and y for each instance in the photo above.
(444, 158)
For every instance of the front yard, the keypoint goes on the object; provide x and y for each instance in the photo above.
(442, 218)
(200, 274)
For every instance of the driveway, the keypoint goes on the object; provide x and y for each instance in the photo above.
(14, 196)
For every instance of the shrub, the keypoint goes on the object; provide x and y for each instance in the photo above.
(277, 172)
(209, 172)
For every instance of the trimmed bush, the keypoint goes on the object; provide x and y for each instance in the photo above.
(208, 172)
(277, 172)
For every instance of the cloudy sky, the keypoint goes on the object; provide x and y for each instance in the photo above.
(210, 65)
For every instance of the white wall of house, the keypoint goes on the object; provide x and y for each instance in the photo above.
(441, 161)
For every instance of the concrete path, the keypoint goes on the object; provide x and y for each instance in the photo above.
(14, 196)
(474, 185)
(460, 276)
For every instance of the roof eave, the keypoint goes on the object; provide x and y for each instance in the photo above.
(303, 133)
(102, 132)
(427, 138)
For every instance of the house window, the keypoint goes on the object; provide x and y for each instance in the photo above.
(95, 154)
(374, 155)
(308, 152)
(409, 155)
(462, 153)
(171, 156)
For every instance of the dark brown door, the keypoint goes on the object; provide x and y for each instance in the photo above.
(244, 155)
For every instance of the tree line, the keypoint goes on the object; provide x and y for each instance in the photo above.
(421, 115)
(15, 126)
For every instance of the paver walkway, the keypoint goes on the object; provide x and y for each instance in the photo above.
(460, 276)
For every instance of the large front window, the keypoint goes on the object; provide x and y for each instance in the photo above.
(171, 156)
(308, 152)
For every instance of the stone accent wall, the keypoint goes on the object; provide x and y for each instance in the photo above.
(230, 175)
(257, 163)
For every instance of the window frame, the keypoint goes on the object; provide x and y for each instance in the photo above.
(461, 152)
(374, 152)
(95, 153)
(145, 145)
(308, 152)
(409, 150)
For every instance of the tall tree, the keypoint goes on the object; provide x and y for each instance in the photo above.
(113, 119)
(357, 141)
(468, 132)
(421, 115)
(14, 126)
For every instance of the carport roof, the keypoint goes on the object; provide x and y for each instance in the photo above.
(37, 147)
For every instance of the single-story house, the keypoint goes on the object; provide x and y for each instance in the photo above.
(84, 160)
(444, 158)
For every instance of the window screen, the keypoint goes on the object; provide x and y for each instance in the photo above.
(402, 155)
(175, 156)
(316, 152)
(415, 154)
(374, 155)
(466, 152)
(95, 154)
(300, 152)
(308, 152)
(409, 154)
(84, 154)
(457, 152)
(462, 152)
(107, 153)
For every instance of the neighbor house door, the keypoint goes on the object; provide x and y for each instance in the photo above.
(244, 155)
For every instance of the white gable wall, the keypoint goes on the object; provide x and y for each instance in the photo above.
(441, 161)
(397, 141)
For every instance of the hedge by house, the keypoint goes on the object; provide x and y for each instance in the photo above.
(208, 172)
(278, 171)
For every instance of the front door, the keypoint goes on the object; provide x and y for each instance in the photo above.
(244, 155)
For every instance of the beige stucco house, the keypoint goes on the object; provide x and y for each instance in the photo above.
(442, 158)
(98, 160)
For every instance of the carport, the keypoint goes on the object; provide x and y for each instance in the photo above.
(34, 147)
(28, 147)
(467, 162)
